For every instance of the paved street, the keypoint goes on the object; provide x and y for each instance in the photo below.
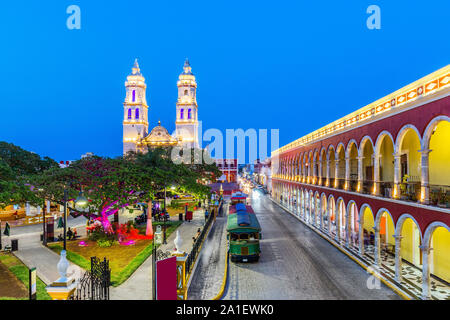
(207, 279)
(296, 263)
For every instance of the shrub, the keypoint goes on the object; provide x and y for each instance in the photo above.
(105, 243)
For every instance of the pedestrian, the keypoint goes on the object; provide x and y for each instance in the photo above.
(206, 215)
(74, 233)
(69, 233)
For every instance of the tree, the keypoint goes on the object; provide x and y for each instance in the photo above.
(15, 165)
(24, 162)
(112, 184)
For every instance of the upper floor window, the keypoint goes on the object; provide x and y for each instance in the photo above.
(189, 114)
(181, 113)
(186, 92)
(133, 99)
(137, 113)
(129, 114)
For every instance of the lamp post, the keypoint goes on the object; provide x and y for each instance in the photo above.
(80, 201)
(156, 241)
(165, 242)
(44, 236)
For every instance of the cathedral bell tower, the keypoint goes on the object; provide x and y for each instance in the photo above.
(135, 116)
(187, 110)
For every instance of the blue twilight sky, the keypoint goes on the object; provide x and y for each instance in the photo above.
(288, 65)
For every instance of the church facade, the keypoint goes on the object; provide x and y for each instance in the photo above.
(136, 136)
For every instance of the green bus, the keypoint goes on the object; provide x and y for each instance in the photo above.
(243, 234)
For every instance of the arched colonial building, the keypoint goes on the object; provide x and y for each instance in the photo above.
(378, 180)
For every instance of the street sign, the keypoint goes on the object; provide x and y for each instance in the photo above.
(32, 284)
(166, 279)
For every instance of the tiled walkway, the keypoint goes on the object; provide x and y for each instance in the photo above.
(412, 276)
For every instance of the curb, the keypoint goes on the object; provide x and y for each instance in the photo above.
(224, 280)
(394, 288)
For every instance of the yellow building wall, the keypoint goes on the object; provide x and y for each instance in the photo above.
(439, 161)
(441, 253)
(390, 230)
(387, 165)
(407, 240)
(411, 143)
(368, 222)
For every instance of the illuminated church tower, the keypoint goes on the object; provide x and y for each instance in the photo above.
(135, 116)
(187, 110)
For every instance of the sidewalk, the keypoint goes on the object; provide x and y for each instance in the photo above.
(139, 285)
(45, 261)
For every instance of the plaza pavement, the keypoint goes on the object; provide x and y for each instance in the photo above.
(33, 254)
(139, 285)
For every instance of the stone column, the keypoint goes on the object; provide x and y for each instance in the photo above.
(425, 177)
(321, 214)
(327, 183)
(320, 173)
(397, 178)
(347, 173)
(398, 258)
(377, 250)
(376, 173)
(426, 255)
(336, 172)
(361, 237)
(360, 174)
(338, 223)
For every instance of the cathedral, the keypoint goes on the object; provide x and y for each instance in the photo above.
(136, 136)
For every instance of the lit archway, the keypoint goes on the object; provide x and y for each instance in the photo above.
(332, 216)
(353, 223)
(408, 146)
(341, 219)
(367, 234)
(384, 154)
(324, 213)
(436, 139)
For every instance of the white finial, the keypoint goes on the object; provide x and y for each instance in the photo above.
(178, 242)
(62, 266)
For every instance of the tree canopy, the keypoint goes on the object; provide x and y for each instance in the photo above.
(112, 184)
(16, 164)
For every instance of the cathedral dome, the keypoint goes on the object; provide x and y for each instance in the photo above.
(159, 137)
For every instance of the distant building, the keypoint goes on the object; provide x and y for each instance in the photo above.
(87, 155)
(229, 168)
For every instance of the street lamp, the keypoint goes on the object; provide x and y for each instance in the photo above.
(157, 240)
(164, 212)
(80, 201)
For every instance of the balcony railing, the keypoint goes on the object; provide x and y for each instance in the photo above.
(353, 185)
(386, 188)
(367, 187)
(331, 182)
(410, 191)
(340, 183)
(440, 195)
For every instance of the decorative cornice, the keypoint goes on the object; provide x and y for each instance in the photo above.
(426, 86)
